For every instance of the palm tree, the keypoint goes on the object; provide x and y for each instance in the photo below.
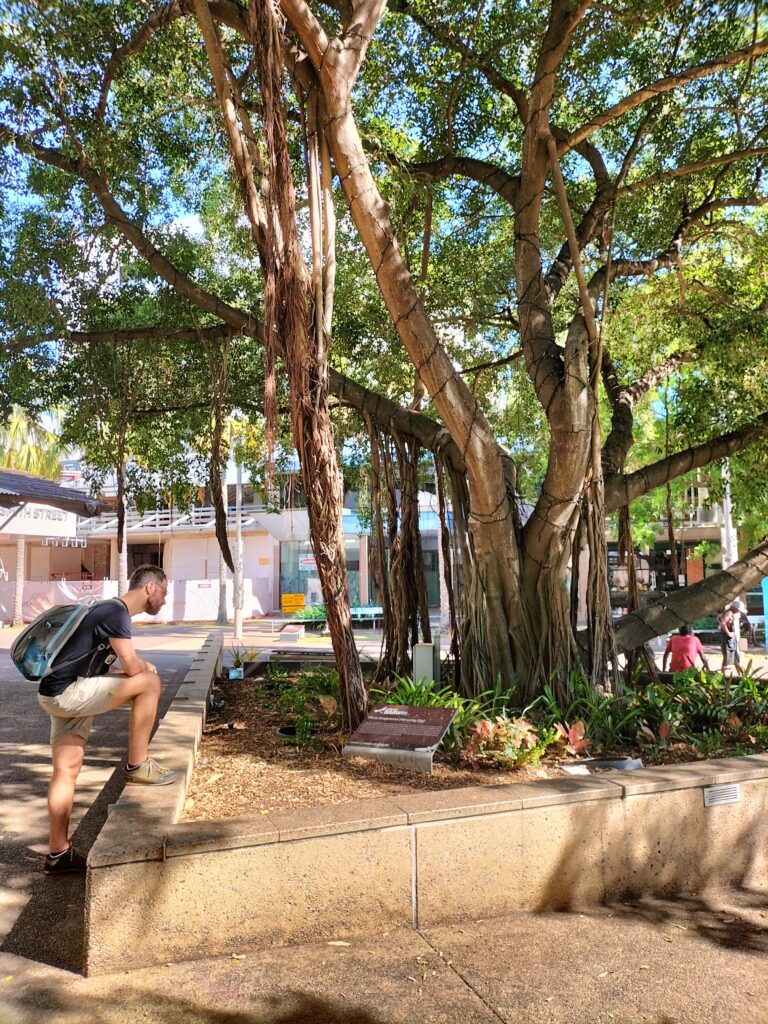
(27, 445)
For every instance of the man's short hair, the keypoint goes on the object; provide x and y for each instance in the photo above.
(146, 574)
(686, 630)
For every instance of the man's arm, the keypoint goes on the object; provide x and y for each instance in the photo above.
(129, 659)
(704, 661)
(726, 625)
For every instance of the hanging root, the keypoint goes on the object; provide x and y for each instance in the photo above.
(218, 364)
(288, 299)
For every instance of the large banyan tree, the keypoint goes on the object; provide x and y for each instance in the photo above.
(591, 159)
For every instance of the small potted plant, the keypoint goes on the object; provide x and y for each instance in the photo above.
(250, 662)
(236, 671)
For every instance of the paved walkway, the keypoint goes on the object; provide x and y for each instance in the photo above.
(29, 925)
(661, 962)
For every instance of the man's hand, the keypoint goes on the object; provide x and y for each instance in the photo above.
(150, 667)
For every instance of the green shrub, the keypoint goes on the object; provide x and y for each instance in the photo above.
(321, 681)
(312, 611)
(610, 720)
(276, 673)
(512, 742)
(702, 709)
(292, 699)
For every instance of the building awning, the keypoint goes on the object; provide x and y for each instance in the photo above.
(17, 488)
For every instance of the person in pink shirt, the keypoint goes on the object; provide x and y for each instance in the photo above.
(684, 649)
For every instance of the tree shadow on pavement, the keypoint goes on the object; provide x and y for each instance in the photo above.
(50, 1002)
(732, 918)
(51, 927)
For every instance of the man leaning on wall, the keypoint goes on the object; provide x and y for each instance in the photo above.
(84, 687)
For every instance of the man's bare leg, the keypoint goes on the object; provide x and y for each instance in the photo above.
(142, 691)
(67, 755)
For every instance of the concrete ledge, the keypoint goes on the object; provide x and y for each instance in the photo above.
(137, 823)
(423, 859)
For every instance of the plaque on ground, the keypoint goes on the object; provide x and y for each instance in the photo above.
(404, 736)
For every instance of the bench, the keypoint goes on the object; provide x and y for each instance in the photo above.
(359, 616)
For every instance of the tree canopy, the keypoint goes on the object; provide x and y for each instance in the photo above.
(544, 252)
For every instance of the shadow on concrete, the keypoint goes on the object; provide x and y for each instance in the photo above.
(50, 928)
(124, 1003)
(731, 919)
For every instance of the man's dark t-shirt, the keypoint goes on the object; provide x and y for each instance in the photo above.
(106, 620)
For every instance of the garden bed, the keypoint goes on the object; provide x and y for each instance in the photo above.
(244, 767)
(359, 866)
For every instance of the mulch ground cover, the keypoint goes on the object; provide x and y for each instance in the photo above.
(244, 767)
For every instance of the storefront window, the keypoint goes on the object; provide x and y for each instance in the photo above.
(298, 570)
(431, 563)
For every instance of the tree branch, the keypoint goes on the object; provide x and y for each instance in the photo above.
(494, 363)
(670, 611)
(116, 216)
(310, 32)
(409, 422)
(484, 173)
(160, 17)
(451, 40)
(620, 489)
(623, 399)
(215, 333)
(640, 133)
(663, 85)
(699, 165)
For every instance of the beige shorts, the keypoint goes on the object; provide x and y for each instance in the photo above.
(72, 711)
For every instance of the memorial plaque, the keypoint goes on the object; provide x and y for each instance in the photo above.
(399, 735)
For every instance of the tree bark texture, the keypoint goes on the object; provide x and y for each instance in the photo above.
(288, 292)
(490, 520)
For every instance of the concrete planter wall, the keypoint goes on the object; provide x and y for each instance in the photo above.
(207, 888)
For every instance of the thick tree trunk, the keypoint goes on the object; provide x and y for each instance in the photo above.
(496, 554)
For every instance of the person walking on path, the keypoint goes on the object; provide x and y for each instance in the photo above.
(81, 688)
(747, 628)
(728, 624)
(684, 649)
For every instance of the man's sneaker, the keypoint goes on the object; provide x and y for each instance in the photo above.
(68, 863)
(150, 773)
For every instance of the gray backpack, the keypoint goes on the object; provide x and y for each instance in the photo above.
(36, 648)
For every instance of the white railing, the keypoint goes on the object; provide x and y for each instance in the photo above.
(694, 519)
(164, 520)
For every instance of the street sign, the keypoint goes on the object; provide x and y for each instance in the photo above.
(32, 520)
